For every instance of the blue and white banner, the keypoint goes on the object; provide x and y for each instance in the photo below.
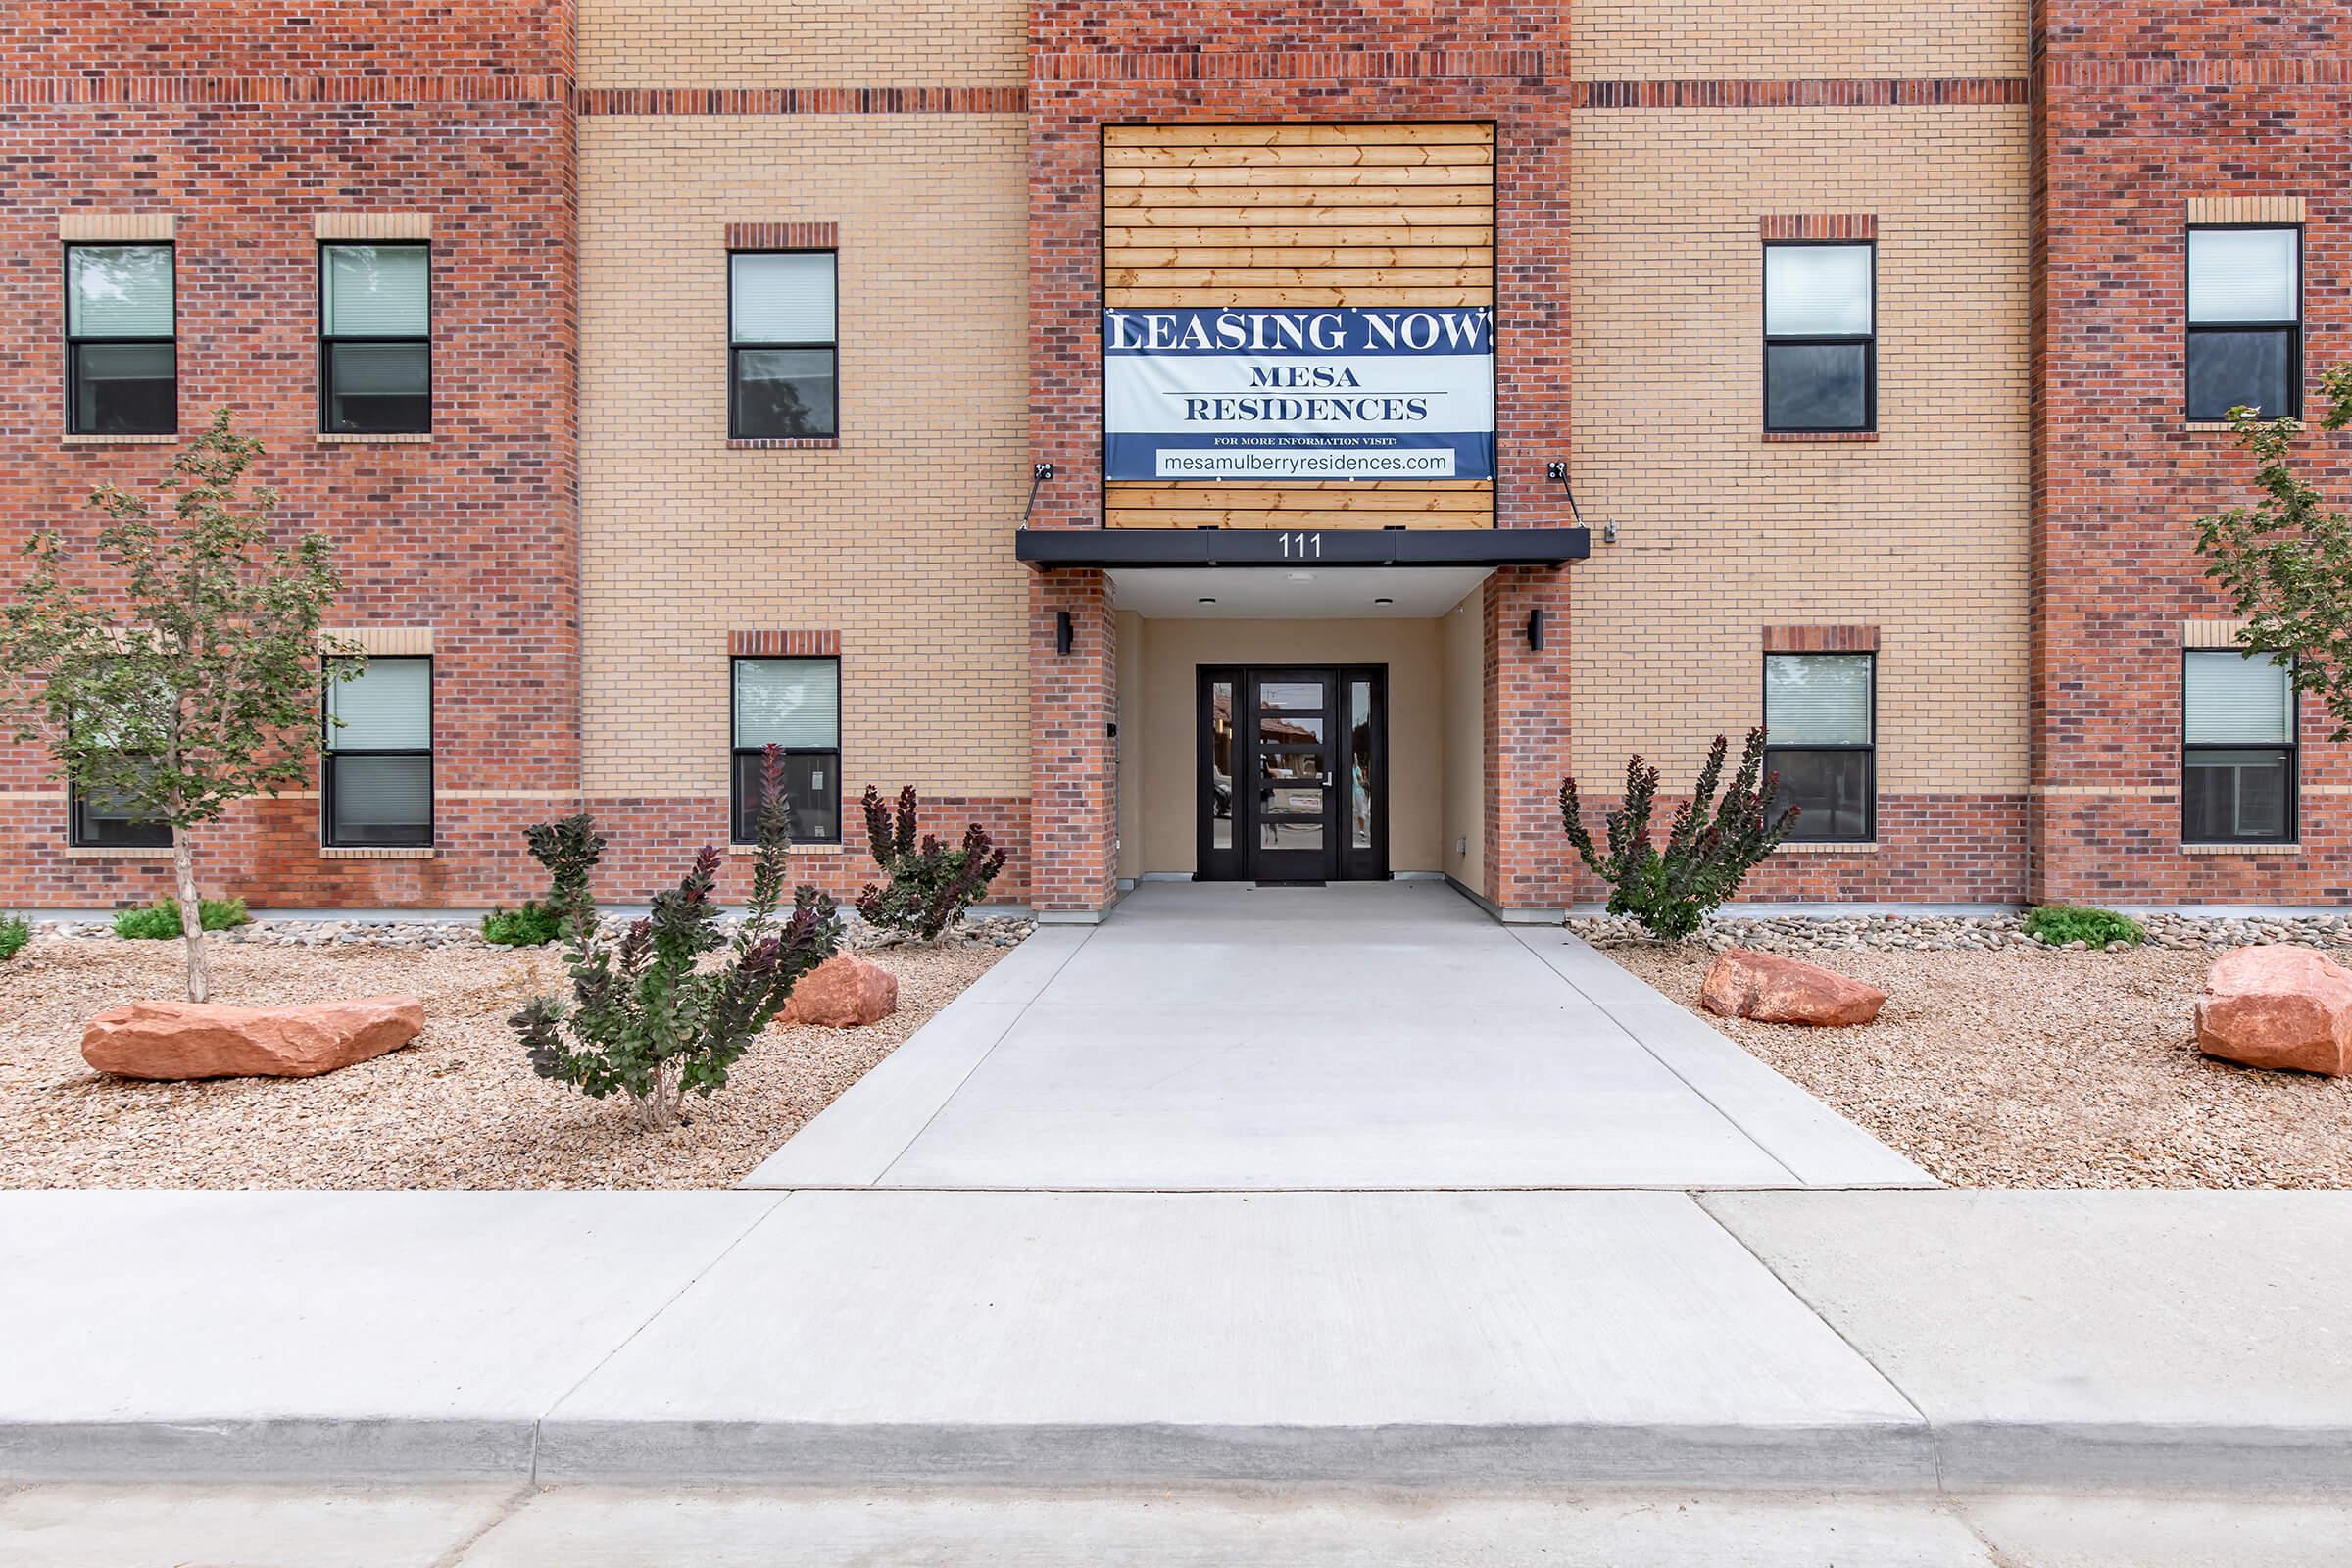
(1275, 396)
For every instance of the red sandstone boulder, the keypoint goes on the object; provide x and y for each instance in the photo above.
(2277, 1007)
(841, 993)
(205, 1040)
(1769, 989)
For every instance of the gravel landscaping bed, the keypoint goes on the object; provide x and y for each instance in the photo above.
(459, 1107)
(1998, 1063)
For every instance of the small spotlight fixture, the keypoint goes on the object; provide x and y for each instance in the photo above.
(1207, 600)
(1383, 600)
(1534, 628)
(1065, 635)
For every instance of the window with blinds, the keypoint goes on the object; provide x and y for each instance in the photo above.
(376, 340)
(794, 705)
(1820, 337)
(378, 776)
(2245, 321)
(783, 357)
(2239, 748)
(121, 352)
(1819, 734)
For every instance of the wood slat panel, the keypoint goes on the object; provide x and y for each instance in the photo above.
(1312, 135)
(1389, 234)
(1302, 298)
(1480, 176)
(1405, 221)
(1122, 255)
(1353, 156)
(1156, 277)
(1369, 495)
(1126, 198)
(1311, 522)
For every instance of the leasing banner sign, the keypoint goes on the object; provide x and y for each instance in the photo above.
(1292, 395)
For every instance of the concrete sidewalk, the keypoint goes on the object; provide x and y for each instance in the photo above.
(1912, 1342)
(1362, 1037)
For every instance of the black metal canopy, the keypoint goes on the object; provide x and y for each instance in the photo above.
(1047, 548)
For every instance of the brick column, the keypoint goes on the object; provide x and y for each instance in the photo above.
(1073, 778)
(1527, 728)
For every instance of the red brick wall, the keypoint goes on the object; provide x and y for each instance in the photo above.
(473, 534)
(2141, 109)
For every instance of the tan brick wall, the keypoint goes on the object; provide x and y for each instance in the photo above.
(1922, 533)
(900, 539)
(1635, 40)
(802, 44)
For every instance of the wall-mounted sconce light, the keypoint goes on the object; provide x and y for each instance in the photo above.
(1534, 628)
(1066, 636)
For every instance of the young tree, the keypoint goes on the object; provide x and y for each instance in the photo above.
(2286, 559)
(186, 676)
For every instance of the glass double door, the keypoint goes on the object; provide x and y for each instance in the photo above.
(1294, 774)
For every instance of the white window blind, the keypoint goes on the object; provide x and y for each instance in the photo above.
(1817, 291)
(2242, 274)
(378, 291)
(372, 793)
(118, 291)
(381, 370)
(2236, 700)
(788, 702)
(387, 707)
(1817, 699)
(783, 298)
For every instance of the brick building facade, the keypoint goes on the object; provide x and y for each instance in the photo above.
(605, 560)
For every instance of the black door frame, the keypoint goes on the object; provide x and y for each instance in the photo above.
(1241, 860)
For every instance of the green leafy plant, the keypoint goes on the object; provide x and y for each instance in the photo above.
(930, 885)
(2286, 559)
(648, 1017)
(14, 932)
(174, 670)
(570, 850)
(2060, 924)
(160, 921)
(1710, 849)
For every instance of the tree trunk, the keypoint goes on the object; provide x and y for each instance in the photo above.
(191, 917)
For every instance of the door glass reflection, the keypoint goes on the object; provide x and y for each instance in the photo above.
(1292, 694)
(1292, 800)
(1291, 765)
(1290, 835)
(1220, 764)
(1284, 729)
(1359, 767)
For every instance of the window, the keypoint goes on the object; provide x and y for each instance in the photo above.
(100, 820)
(2245, 321)
(783, 365)
(794, 703)
(1820, 337)
(122, 362)
(1820, 719)
(2237, 774)
(378, 774)
(375, 347)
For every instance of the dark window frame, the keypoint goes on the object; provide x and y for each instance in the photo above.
(736, 349)
(77, 839)
(1869, 809)
(737, 753)
(327, 341)
(329, 753)
(2292, 831)
(2192, 330)
(75, 344)
(1868, 342)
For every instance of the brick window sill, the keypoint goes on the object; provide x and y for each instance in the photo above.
(1817, 437)
(121, 440)
(797, 849)
(796, 443)
(116, 851)
(2241, 849)
(1827, 847)
(352, 439)
(332, 852)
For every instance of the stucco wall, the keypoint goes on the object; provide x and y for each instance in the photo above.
(1462, 656)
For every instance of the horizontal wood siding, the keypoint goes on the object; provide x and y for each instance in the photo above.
(1275, 216)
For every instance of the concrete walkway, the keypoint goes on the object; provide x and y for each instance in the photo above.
(1361, 1037)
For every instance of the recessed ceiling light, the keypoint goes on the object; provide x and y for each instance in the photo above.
(1302, 576)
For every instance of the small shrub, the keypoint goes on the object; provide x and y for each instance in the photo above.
(2060, 924)
(14, 932)
(930, 885)
(160, 921)
(570, 850)
(648, 1019)
(1708, 850)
